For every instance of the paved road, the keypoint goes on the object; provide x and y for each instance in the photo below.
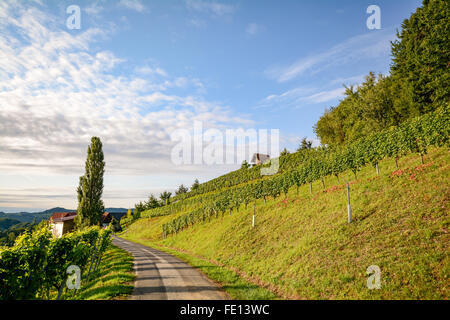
(161, 276)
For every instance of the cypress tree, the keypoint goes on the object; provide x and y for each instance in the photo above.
(90, 189)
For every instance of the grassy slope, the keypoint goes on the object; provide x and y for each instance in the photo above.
(303, 247)
(113, 280)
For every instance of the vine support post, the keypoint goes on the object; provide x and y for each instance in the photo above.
(92, 259)
(253, 220)
(310, 187)
(97, 264)
(378, 170)
(349, 208)
(60, 289)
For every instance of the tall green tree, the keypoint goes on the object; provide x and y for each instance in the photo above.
(304, 144)
(90, 189)
(284, 152)
(245, 165)
(181, 189)
(165, 197)
(419, 81)
(195, 185)
(152, 203)
(421, 57)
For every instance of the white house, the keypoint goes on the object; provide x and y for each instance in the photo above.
(62, 222)
(259, 158)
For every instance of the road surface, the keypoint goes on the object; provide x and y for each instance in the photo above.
(161, 276)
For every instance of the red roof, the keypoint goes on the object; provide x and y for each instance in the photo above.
(106, 218)
(63, 216)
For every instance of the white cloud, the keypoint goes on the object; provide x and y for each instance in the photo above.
(56, 92)
(369, 45)
(299, 97)
(253, 28)
(135, 5)
(149, 70)
(94, 9)
(210, 7)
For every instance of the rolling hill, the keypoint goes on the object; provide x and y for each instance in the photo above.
(43, 215)
(302, 246)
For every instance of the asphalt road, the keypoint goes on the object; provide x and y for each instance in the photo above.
(161, 276)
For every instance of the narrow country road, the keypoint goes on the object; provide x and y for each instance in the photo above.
(161, 276)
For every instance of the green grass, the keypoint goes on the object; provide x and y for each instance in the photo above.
(303, 248)
(113, 279)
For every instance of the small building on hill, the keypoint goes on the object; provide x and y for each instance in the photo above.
(62, 223)
(106, 219)
(259, 158)
(108, 216)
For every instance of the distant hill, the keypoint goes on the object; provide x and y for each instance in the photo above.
(6, 223)
(112, 210)
(44, 215)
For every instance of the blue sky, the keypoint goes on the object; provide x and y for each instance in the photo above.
(137, 70)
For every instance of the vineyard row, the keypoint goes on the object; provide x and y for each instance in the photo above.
(414, 136)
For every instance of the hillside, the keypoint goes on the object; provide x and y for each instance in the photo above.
(30, 216)
(6, 223)
(46, 214)
(303, 248)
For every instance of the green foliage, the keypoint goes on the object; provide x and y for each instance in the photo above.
(413, 136)
(90, 189)
(37, 263)
(421, 56)
(304, 144)
(234, 178)
(6, 223)
(195, 185)
(11, 228)
(165, 197)
(181, 190)
(284, 152)
(245, 165)
(115, 225)
(399, 221)
(112, 280)
(418, 83)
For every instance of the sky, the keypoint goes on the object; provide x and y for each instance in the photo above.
(137, 71)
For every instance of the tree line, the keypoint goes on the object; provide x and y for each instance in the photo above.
(418, 82)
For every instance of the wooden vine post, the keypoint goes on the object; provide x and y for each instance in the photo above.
(349, 208)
